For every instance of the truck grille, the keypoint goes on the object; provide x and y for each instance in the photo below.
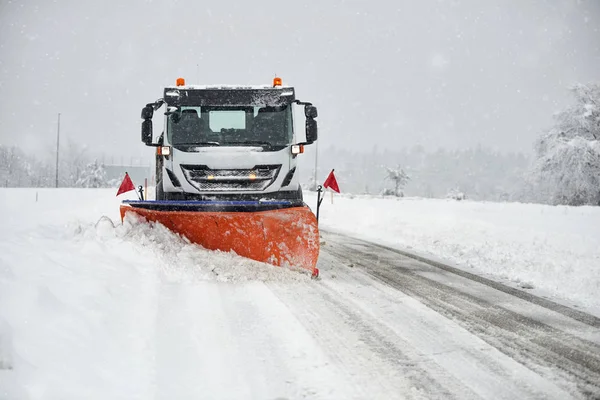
(230, 180)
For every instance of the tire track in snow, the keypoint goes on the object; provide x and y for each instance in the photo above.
(357, 345)
(549, 351)
(577, 315)
(388, 340)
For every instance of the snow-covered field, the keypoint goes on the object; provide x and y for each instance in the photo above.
(90, 308)
(555, 249)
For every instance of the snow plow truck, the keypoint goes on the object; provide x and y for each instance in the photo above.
(227, 171)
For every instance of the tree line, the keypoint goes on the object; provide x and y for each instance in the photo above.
(76, 169)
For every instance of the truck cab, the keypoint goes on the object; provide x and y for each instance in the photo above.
(228, 142)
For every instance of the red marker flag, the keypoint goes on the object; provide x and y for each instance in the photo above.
(331, 182)
(126, 185)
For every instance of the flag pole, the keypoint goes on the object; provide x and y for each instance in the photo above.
(319, 200)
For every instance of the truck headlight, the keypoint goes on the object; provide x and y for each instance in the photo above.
(297, 149)
(163, 150)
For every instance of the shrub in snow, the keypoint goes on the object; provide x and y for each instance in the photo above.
(93, 176)
(388, 192)
(456, 194)
(399, 178)
(567, 167)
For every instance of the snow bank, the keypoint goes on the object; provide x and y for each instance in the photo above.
(553, 248)
(79, 293)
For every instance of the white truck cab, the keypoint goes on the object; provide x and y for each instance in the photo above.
(228, 142)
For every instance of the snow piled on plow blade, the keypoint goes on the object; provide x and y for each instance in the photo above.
(184, 261)
(282, 237)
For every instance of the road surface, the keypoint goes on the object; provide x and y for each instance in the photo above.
(378, 324)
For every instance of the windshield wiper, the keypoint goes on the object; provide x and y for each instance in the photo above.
(198, 144)
(251, 143)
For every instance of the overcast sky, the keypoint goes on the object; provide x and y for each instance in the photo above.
(388, 73)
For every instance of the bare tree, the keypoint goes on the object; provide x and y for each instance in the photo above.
(74, 160)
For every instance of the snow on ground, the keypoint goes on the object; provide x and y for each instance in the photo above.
(92, 308)
(552, 248)
(79, 299)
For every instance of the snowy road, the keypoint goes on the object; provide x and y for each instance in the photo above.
(461, 335)
(92, 310)
(377, 325)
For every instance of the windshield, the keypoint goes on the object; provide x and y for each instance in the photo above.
(269, 127)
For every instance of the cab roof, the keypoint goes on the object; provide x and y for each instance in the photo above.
(195, 95)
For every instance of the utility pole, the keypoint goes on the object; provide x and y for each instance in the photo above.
(57, 147)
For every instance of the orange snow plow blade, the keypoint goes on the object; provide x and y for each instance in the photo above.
(282, 237)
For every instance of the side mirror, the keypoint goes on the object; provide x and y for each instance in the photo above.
(310, 111)
(311, 130)
(147, 112)
(147, 132)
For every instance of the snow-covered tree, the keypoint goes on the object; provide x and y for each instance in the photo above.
(399, 177)
(567, 167)
(456, 194)
(93, 176)
(8, 164)
(18, 169)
